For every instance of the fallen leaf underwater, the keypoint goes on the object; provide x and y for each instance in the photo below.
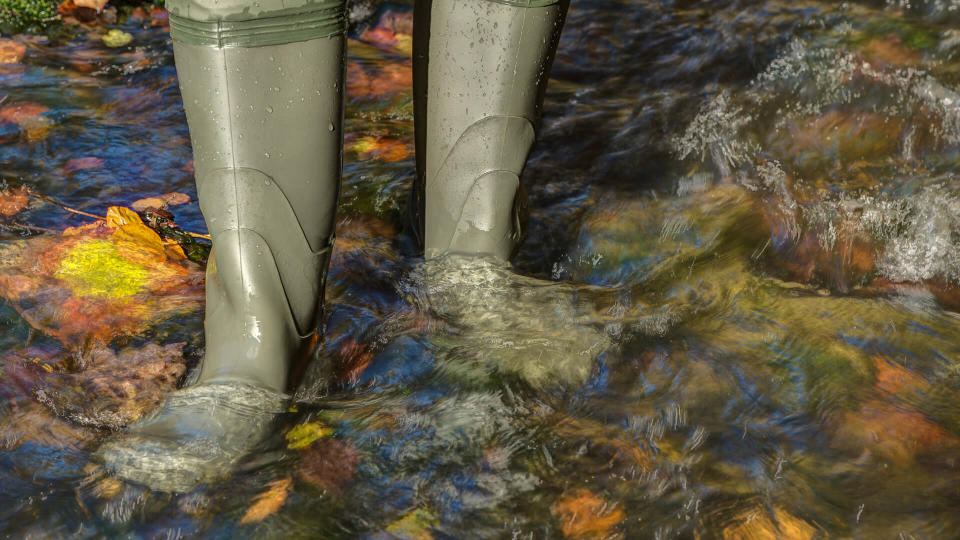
(734, 315)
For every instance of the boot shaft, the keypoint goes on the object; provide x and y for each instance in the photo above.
(263, 94)
(480, 74)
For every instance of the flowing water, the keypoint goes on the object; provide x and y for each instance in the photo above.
(734, 315)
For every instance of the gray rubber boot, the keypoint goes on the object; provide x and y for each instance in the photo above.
(262, 86)
(480, 72)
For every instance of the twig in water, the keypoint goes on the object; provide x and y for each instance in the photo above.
(88, 214)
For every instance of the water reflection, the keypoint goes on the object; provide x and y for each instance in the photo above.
(734, 315)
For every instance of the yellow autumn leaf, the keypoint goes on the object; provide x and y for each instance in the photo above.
(95, 267)
(173, 250)
(364, 145)
(303, 435)
(268, 502)
(414, 525)
(404, 43)
(135, 240)
(118, 216)
(758, 524)
(116, 38)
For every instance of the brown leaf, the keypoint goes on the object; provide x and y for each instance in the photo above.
(143, 204)
(11, 52)
(268, 502)
(174, 198)
(13, 200)
(890, 50)
(352, 360)
(77, 164)
(160, 201)
(85, 14)
(114, 389)
(328, 463)
(582, 514)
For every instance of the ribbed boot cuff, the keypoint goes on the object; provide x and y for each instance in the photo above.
(317, 20)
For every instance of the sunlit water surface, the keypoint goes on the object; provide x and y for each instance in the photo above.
(734, 314)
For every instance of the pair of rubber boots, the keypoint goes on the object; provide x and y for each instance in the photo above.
(263, 88)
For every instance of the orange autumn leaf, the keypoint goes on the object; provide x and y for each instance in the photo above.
(393, 31)
(378, 82)
(385, 149)
(83, 229)
(379, 36)
(892, 433)
(97, 5)
(21, 113)
(29, 117)
(13, 200)
(159, 16)
(95, 285)
(65, 8)
(758, 525)
(582, 514)
(893, 378)
(11, 52)
(268, 502)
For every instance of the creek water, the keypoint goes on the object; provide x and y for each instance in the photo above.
(734, 315)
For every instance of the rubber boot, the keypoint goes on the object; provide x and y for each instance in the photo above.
(262, 86)
(480, 73)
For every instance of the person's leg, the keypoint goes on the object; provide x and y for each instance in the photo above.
(262, 86)
(480, 72)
